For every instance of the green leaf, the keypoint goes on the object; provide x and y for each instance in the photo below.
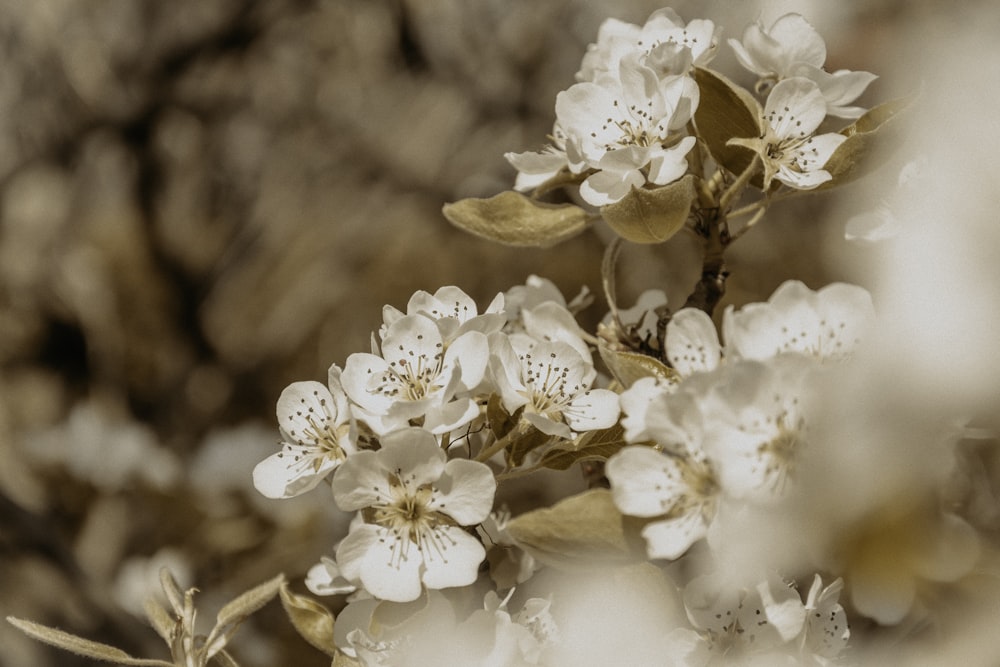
(726, 111)
(247, 603)
(651, 216)
(591, 446)
(531, 440)
(867, 144)
(582, 531)
(312, 620)
(627, 366)
(499, 420)
(81, 646)
(161, 620)
(514, 219)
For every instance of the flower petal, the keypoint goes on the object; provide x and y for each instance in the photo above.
(456, 560)
(692, 342)
(465, 491)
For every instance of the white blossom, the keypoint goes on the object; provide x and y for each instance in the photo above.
(317, 435)
(453, 310)
(827, 324)
(628, 129)
(417, 376)
(791, 47)
(552, 382)
(418, 503)
(789, 148)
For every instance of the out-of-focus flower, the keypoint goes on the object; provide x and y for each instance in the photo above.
(139, 578)
(755, 424)
(432, 631)
(417, 502)
(896, 550)
(766, 624)
(884, 221)
(792, 47)
(552, 382)
(789, 149)
(106, 451)
(510, 565)
(417, 376)
(317, 433)
(826, 324)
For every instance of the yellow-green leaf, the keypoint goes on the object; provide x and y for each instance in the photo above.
(591, 446)
(514, 219)
(81, 646)
(529, 441)
(499, 420)
(247, 603)
(627, 366)
(312, 620)
(867, 143)
(581, 531)
(651, 216)
(726, 111)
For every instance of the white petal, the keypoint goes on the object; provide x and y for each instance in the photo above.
(671, 538)
(449, 416)
(645, 482)
(452, 558)
(547, 425)
(290, 472)
(606, 187)
(795, 107)
(413, 451)
(800, 41)
(593, 409)
(465, 491)
(692, 342)
(386, 568)
(360, 482)
(471, 351)
(671, 164)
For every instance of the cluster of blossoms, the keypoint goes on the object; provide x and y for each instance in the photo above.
(627, 123)
(716, 464)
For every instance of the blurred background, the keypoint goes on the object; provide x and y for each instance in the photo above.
(203, 201)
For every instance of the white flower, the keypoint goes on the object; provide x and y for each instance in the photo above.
(789, 149)
(417, 376)
(676, 485)
(452, 310)
(754, 424)
(828, 324)
(627, 129)
(325, 578)
(886, 220)
(418, 502)
(664, 42)
(826, 631)
(317, 435)
(436, 631)
(756, 626)
(534, 168)
(551, 381)
(792, 47)
(692, 342)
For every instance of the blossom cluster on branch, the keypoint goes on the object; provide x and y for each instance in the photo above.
(722, 494)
